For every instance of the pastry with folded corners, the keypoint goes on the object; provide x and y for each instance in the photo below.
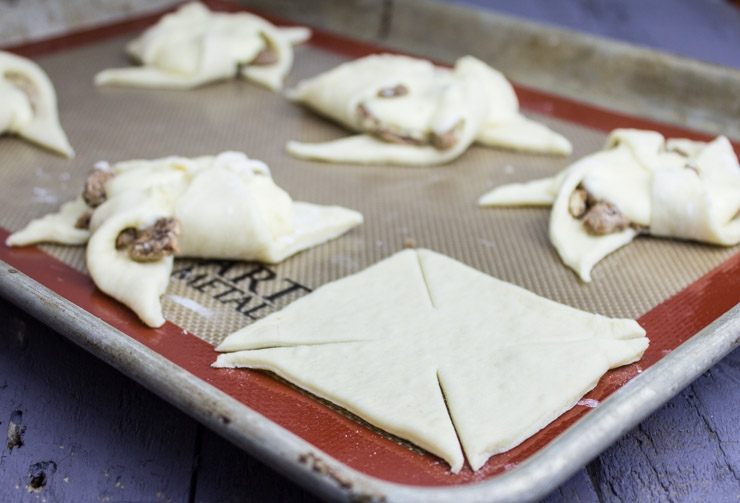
(28, 104)
(136, 216)
(640, 183)
(410, 112)
(438, 353)
(194, 46)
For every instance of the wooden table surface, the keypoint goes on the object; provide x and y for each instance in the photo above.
(79, 431)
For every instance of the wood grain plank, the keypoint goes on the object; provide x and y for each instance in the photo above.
(688, 450)
(700, 29)
(78, 430)
(228, 474)
(578, 489)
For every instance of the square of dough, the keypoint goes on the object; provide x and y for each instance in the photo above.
(437, 353)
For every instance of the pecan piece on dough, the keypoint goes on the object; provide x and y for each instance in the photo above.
(25, 85)
(374, 126)
(693, 166)
(393, 92)
(125, 238)
(83, 222)
(152, 243)
(578, 203)
(604, 218)
(267, 56)
(446, 139)
(392, 136)
(368, 121)
(94, 191)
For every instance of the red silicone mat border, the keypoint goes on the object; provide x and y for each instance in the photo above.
(668, 324)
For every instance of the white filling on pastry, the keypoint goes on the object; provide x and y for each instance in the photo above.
(28, 104)
(409, 111)
(675, 188)
(224, 206)
(194, 46)
(437, 353)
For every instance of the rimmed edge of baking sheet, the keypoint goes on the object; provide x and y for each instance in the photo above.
(623, 77)
(320, 473)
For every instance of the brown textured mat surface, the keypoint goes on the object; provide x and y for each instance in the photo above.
(434, 207)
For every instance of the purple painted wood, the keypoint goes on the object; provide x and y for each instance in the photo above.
(227, 473)
(579, 489)
(701, 29)
(687, 451)
(77, 430)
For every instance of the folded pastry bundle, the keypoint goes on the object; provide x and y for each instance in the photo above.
(410, 112)
(639, 183)
(437, 353)
(194, 46)
(28, 104)
(136, 216)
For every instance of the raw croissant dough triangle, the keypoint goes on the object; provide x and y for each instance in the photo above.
(194, 46)
(645, 184)
(411, 112)
(28, 104)
(417, 334)
(225, 206)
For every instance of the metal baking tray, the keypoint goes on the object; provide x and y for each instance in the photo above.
(682, 293)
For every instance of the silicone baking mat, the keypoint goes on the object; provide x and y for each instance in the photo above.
(432, 207)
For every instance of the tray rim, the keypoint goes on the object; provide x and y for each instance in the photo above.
(327, 477)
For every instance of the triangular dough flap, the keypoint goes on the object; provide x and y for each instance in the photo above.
(28, 104)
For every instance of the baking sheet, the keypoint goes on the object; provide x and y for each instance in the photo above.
(431, 207)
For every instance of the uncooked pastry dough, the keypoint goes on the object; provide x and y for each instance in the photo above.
(411, 112)
(228, 207)
(28, 104)
(675, 188)
(417, 334)
(194, 46)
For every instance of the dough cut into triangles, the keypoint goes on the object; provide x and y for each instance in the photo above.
(28, 104)
(411, 112)
(433, 351)
(225, 206)
(194, 46)
(639, 183)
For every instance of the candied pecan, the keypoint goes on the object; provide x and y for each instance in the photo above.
(94, 191)
(641, 229)
(372, 125)
(157, 241)
(604, 218)
(693, 167)
(392, 136)
(267, 56)
(393, 92)
(26, 86)
(677, 150)
(152, 243)
(446, 139)
(125, 238)
(578, 203)
(368, 121)
(83, 222)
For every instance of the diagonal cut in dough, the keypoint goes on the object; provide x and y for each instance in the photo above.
(437, 353)
(135, 216)
(194, 46)
(28, 104)
(640, 183)
(411, 112)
